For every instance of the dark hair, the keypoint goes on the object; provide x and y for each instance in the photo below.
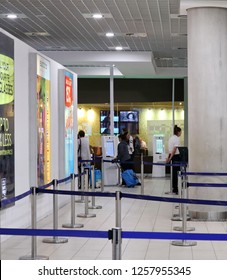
(176, 130)
(133, 115)
(124, 136)
(81, 133)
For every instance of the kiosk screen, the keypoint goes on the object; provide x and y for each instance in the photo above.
(109, 148)
(159, 146)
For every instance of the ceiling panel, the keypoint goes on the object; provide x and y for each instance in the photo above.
(140, 25)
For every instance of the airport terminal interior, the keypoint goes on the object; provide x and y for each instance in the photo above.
(106, 66)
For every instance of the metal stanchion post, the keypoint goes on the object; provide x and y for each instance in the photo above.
(178, 217)
(102, 179)
(118, 209)
(181, 181)
(93, 206)
(72, 224)
(171, 176)
(55, 239)
(86, 214)
(142, 174)
(34, 255)
(183, 207)
(116, 243)
(81, 200)
(184, 223)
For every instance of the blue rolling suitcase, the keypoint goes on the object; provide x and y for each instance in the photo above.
(130, 178)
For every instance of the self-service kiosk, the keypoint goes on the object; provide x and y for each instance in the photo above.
(110, 170)
(159, 156)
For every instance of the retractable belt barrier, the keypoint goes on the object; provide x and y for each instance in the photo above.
(116, 233)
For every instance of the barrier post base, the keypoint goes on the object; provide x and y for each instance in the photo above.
(183, 243)
(34, 258)
(178, 218)
(55, 240)
(181, 228)
(95, 207)
(72, 225)
(86, 215)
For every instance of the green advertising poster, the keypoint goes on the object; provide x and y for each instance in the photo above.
(6, 117)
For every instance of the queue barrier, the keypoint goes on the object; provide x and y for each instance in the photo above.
(119, 234)
(116, 234)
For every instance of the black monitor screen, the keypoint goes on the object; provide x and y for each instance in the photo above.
(105, 116)
(131, 127)
(105, 128)
(105, 122)
(129, 116)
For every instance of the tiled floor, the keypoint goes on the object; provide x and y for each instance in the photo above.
(137, 215)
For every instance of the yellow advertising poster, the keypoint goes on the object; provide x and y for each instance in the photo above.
(43, 121)
(7, 173)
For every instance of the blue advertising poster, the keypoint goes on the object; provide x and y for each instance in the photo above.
(69, 141)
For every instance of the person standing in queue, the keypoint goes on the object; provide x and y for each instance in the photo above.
(123, 154)
(174, 156)
(129, 140)
(84, 152)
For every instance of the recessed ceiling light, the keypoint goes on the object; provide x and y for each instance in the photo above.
(109, 34)
(97, 15)
(11, 16)
(118, 48)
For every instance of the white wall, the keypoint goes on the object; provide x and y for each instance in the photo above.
(20, 214)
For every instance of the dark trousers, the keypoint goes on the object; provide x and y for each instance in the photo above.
(175, 169)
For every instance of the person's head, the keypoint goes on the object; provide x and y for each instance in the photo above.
(81, 134)
(131, 116)
(177, 130)
(124, 137)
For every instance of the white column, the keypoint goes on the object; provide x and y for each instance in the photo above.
(207, 103)
(112, 100)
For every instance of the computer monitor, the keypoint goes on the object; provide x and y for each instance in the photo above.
(105, 122)
(183, 153)
(129, 116)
